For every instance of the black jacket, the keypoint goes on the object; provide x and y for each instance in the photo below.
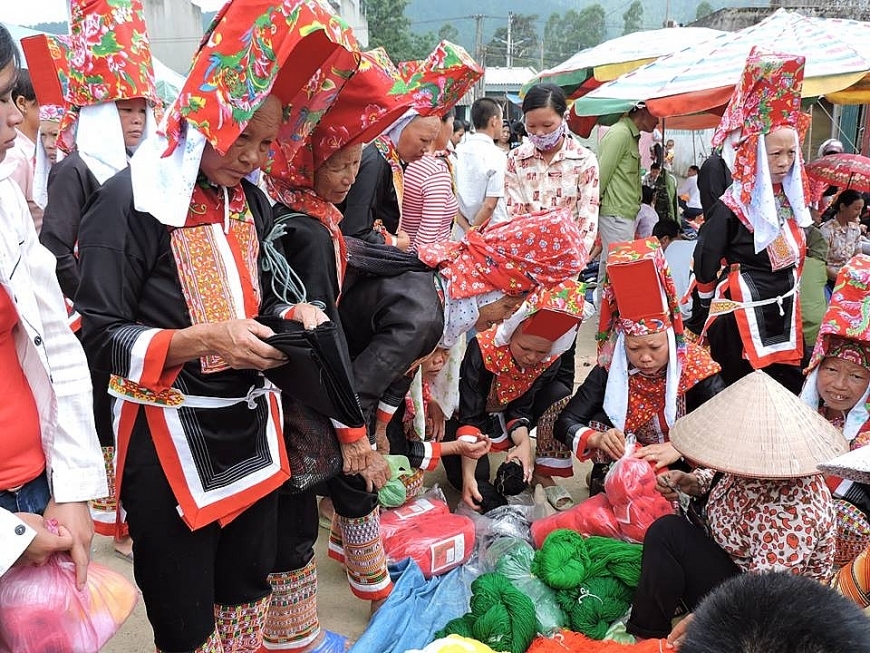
(372, 197)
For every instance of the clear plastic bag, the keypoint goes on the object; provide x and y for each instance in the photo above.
(41, 609)
(513, 558)
(592, 517)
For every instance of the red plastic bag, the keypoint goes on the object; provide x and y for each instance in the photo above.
(41, 609)
(437, 542)
(630, 486)
(592, 517)
(398, 519)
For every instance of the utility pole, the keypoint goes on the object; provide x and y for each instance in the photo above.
(479, 90)
(509, 58)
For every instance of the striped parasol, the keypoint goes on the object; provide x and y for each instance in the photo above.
(591, 67)
(700, 79)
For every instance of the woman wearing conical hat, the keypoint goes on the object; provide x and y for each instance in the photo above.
(757, 227)
(837, 385)
(647, 375)
(756, 448)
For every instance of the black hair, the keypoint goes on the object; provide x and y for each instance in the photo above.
(776, 613)
(23, 87)
(8, 49)
(483, 110)
(541, 96)
(666, 227)
(695, 168)
(451, 113)
(458, 124)
(647, 193)
(655, 166)
(846, 198)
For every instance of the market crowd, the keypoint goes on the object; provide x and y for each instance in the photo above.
(281, 299)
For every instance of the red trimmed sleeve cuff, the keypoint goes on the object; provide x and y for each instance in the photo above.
(580, 443)
(148, 360)
(431, 456)
(348, 435)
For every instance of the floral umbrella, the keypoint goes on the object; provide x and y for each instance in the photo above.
(841, 170)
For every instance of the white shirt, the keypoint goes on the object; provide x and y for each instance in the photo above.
(690, 188)
(645, 221)
(54, 365)
(480, 167)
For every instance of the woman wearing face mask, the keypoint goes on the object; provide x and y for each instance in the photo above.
(647, 375)
(552, 170)
(754, 320)
(837, 385)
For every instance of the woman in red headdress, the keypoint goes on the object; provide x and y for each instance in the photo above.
(752, 316)
(647, 375)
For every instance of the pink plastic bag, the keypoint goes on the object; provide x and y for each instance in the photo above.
(630, 486)
(42, 611)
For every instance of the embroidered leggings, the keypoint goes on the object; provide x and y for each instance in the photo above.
(184, 574)
(680, 563)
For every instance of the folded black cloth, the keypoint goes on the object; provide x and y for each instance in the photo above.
(318, 371)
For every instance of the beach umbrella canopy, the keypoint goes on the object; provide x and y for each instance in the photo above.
(700, 79)
(591, 67)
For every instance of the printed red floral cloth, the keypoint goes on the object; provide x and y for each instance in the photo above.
(515, 257)
(773, 525)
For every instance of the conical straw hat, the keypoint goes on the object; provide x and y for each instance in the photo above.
(757, 428)
(853, 466)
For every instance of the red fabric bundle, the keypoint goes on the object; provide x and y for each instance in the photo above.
(398, 519)
(592, 517)
(630, 486)
(437, 542)
(567, 641)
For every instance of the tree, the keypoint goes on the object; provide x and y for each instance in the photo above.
(633, 17)
(524, 39)
(704, 8)
(565, 34)
(390, 29)
(448, 33)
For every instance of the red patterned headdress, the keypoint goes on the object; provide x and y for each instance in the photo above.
(366, 105)
(537, 249)
(768, 97)
(106, 57)
(553, 312)
(845, 330)
(638, 296)
(298, 50)
(440, 80)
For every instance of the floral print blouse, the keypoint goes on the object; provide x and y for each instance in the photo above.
(773, 524)
(569, 181)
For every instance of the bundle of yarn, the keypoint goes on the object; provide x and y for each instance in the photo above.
(501, 616)
(594, 578)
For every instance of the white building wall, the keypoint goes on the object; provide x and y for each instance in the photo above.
(175, 30)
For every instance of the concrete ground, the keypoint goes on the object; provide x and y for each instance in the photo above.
(339, 609)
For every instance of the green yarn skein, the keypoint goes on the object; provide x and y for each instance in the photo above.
(567, 559)
(501, 616)
(595, 605)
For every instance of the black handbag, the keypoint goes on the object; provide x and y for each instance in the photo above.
(318, 370)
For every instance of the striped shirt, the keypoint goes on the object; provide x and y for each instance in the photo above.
(429, 204)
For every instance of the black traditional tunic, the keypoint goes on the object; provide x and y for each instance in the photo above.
(372, 197)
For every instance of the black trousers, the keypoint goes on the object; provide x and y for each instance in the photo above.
(298, 523)
(680, 564)
(184, 573)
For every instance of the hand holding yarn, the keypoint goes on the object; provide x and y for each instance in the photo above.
(471, 495)
(522, 453)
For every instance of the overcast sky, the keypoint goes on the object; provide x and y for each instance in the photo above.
(31, 12)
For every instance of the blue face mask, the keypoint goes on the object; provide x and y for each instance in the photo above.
(547, 142)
